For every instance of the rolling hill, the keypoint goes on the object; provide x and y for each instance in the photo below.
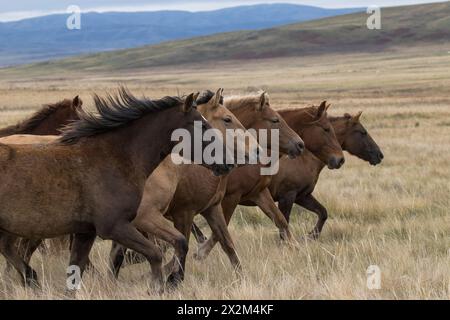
(47, 37)
(406, 26)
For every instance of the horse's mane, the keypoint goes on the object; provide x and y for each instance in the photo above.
(309, 112)
(206, 96)
(338, 118)
(28, 125)
(113, 111)
(239, 101)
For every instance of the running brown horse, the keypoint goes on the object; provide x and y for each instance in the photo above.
(90, 182)
(48, 120)
(197, 191)
(297, 178)
(247, 187)
(43, 125)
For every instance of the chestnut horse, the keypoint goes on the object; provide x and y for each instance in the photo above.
(44, 123)
(196, 191)
(48, 120)
(247, 187)
(297, 178)
(90, 182)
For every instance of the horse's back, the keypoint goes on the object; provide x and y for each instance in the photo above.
(24, 139)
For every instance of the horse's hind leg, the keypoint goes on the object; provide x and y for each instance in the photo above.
(8, 248)
(310, 203)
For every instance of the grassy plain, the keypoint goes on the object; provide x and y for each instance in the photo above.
(395, 215)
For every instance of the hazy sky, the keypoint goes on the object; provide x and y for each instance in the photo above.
(15, 10)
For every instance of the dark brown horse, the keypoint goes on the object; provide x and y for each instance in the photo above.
(48, 120)
(297, 178)
(247, 187)
(91, 181)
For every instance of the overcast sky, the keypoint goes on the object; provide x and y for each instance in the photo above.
(20, 9)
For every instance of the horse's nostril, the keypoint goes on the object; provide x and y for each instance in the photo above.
(341, 162)
(381, 155)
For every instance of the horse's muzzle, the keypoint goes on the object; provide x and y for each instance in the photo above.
(335, 162)
(222, 169)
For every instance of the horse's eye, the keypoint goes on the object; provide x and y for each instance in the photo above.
(275, 120)
(227, 120)
(327, 129)
(364, 133)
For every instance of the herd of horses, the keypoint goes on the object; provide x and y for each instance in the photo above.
(67, 171)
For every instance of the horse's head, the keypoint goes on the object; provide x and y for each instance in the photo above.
(265, 117)
(52, 118)
(211, 107)
(67, 111)
(192, 116)
(355, 139)
(316, 130)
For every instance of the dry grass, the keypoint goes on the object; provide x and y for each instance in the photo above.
(395, 216)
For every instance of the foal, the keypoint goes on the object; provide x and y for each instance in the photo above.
(67, 187)
(297, 178)
(247, 187)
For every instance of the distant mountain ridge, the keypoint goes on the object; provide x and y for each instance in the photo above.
(402, 27)
(47, 37)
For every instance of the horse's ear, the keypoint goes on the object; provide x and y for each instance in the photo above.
(218, 97)
(322, 109)
(262, 100)
(189, 102)
(355, 118)
(77, 102)
(196, 95)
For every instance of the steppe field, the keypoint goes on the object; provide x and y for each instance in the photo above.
(395, 215)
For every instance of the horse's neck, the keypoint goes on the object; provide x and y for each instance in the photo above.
(297, 119)
(316, 164)
(140, 146)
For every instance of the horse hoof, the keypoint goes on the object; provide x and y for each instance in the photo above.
(313, 236)
(33, 284)
(199, 256)
(174, 280)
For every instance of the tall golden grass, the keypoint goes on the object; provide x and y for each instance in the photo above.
(395, 215)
